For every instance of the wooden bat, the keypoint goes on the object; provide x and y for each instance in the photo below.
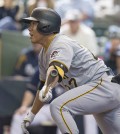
(51, 81)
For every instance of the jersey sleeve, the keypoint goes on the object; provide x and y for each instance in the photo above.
(62, 53)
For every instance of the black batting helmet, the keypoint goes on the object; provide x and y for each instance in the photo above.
(49, 20)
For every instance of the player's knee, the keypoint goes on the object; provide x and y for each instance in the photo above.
(54, 106)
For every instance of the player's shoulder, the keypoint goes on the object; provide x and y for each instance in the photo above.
(62, 38)
(63, 42)
(60, 41)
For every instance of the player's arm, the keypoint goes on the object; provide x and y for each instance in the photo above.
(51, 79)
(27, 100)
(37, 105)
(55, 74)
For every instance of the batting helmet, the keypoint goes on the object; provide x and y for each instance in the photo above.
(48, 20)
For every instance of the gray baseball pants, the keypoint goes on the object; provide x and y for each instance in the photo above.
(100, 98)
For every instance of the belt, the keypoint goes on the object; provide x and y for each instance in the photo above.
(104, 75)
(110, 72)
(116, 79)
(107, 73)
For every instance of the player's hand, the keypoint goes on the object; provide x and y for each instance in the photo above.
(45, 96)
(27, 121)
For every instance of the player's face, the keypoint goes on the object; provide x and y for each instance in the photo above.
(74, 26)
(114, 44)
(8, 3)
(35, 36)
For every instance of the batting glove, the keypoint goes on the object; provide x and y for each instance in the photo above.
(47, 97)
(27, 121)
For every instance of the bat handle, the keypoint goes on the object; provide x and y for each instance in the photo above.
(53, 74)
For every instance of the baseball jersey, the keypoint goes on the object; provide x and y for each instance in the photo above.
(82, 66)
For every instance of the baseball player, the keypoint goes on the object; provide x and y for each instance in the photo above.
(90, 87)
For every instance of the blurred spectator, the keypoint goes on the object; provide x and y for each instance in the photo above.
(117, 59)
(1, 3)
(9, 10)
(10, 14)
(31, 4)
(43, 117)
(113, 41)
(26, 102)
(84, 6)
(111, 62)
(111, 46)
(79, 32)
(27, 61)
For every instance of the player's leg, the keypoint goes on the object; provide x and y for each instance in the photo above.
(87, 99)
(90, 125)
(109, 122)
(72, 102)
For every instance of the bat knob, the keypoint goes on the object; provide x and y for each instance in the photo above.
(54, 73)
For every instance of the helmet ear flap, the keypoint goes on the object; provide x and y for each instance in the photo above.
(39, 27)
(46, 28)
(43, 29)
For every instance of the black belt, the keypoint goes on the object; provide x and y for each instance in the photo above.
(110, 72)
(116, 79)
